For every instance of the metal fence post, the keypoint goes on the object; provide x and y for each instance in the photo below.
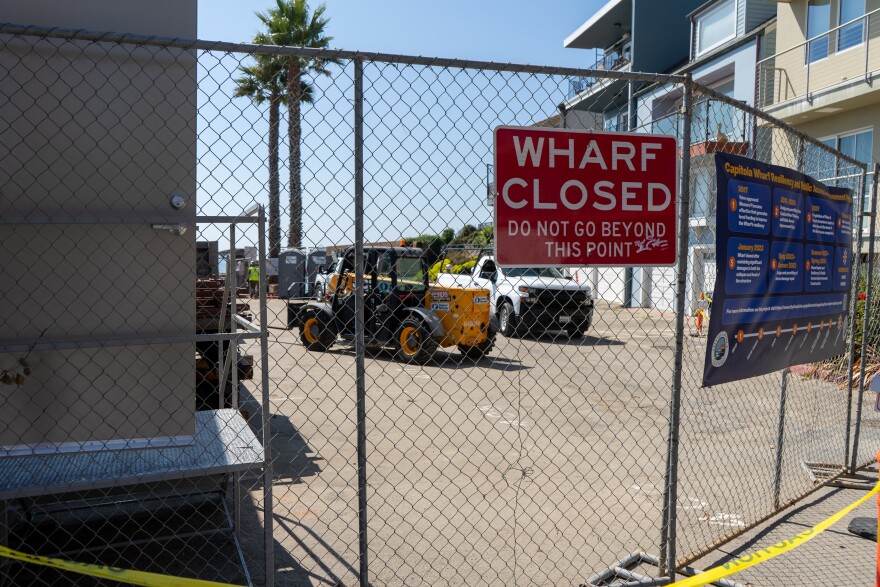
(854, 290)
(360, 378)
(865, 323)
(780, 439)
(268, 507)
(668, 530)
(233, 348)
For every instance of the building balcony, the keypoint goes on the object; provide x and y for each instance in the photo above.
(817, 76)
(611, 60)
(716, 126)
(605, 28)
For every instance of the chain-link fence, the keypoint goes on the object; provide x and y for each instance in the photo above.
(787, 429)
(358, 392)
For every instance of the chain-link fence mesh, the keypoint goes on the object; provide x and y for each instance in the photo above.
(788, 430)
(515, 422)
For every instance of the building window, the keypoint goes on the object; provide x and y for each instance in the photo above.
(615, 122)
(716, 26)
(851, 35)
(827, 168)
(818, 23)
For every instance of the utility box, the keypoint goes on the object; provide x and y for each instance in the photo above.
(291, 273)
(316, 259)
(207, 259)
(97, 230)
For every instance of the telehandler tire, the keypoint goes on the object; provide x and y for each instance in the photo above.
(478, 351)
(314, 333)
(413, 342)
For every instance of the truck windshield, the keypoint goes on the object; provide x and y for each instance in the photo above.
(410, 273)
(551, 272)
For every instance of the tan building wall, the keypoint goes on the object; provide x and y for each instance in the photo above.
(788, 77)
(846, 122)
(95, 139)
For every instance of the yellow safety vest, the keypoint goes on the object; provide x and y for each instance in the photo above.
(253, 274)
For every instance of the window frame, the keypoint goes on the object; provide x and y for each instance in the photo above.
(698, 25)
(808, 58)
(837, 138)
(840, 23)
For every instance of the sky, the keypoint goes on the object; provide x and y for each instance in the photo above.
(428, 131)
(510, 31)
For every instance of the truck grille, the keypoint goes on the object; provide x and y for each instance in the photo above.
(562, 299)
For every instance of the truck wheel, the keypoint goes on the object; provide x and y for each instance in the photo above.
(506, 319)
(480, 350)
(314, 334)
(413, 343)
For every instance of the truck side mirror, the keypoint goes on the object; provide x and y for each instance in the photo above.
(493, 277)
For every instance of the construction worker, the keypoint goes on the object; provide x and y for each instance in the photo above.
(254, 279)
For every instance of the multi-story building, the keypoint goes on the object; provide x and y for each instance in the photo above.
(728, 38)
(628, 35)
(625, 35)
(819, 78)
(719, 42)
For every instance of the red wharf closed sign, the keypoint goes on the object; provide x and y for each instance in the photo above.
(569, 197)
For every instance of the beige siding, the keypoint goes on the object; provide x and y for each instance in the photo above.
(791, 78)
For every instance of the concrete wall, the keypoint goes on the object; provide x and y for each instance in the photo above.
(169, 18)
(94, 141)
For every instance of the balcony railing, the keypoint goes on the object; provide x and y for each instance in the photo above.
(614, 60)
(844, 55)
(712, 121)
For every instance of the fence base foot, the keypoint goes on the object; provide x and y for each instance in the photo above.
(622, 574)
(830, 474)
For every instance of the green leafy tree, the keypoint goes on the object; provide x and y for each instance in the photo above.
(291, 23)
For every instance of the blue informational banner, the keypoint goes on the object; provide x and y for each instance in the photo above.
(784, 244)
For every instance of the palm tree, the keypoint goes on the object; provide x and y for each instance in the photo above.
(261, 82)
(290, 23)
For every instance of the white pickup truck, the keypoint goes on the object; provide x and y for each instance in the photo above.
(530, 298)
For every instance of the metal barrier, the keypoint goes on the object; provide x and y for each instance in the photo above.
(384, 450)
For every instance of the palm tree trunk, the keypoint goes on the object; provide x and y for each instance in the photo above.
(274, 189)
(294, 131)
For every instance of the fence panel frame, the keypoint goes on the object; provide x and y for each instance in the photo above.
(669, 560)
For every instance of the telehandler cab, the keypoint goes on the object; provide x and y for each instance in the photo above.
(401, 309)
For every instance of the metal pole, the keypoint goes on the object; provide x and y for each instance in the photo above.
(233, 288)
(866, 38)
(853, 290)
(866, 321)
(360, 378)
(780, 439)
(807, 91)
(233, 348)
(668, 530)
(268, 506)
